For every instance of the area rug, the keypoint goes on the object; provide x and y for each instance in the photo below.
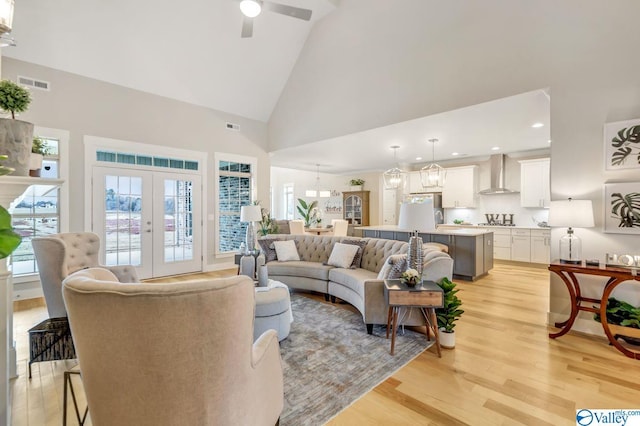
(329, 360)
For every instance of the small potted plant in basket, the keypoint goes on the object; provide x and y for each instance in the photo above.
(410, 277)
(356, 184)
(38, 151)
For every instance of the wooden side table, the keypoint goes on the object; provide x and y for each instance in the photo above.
(568, 273)
(426, 296)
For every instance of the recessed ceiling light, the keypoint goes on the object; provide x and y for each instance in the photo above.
(549, 141)
(537, 125)
(418, 158)
(495, 148)
(455, 153)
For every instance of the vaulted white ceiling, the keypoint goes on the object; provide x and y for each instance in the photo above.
(189, 50)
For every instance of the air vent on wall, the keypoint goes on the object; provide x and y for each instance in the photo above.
(32, 82)
(232, 126)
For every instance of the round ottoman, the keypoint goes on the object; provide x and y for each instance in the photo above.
(273, 310)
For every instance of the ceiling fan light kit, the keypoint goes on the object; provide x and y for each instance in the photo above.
(252, 8)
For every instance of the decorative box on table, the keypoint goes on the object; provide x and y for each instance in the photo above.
(50, 341)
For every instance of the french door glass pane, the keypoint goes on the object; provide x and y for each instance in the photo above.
(123, 210)
(178, 220)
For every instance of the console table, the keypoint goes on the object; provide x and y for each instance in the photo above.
(616, 275)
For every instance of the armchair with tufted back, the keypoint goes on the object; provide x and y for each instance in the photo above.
(60, 255)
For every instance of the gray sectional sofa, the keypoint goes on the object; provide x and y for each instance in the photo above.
(361, 287)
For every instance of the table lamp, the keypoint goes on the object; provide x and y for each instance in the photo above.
(416, 217)
(571, 213)
(251, 214)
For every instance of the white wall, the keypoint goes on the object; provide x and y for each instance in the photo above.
(86, 106)
(371, 63)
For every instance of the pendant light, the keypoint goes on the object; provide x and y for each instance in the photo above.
(433, 175)
(394, 177)
(317, 192)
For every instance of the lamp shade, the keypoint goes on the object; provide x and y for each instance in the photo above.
(417, 216)
(251, 213)
(571, 213)
(6, 15)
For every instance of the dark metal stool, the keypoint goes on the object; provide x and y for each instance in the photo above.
(68, 385)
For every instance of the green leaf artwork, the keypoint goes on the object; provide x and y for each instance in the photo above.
(626, 209)
(627, 142)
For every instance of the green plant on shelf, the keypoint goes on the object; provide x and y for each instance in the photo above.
(356, 182)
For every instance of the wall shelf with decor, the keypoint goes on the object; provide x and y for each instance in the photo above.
(356, 207)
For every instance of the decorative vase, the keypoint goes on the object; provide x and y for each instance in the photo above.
(16, 139)
(447, 340)
(410, 283)
(35, 164)
(414, 253)
(356, 187)
(263, 276)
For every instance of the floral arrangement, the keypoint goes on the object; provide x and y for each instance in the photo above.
(410, 277)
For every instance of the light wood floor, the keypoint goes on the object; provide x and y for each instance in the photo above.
(504, 370)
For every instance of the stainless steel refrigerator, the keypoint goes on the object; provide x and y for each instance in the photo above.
(437, 203)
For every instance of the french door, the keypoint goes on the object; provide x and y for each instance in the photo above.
(151, 220)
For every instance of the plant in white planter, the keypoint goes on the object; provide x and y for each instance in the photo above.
(448, 314)
(38, 151)
(356, 184)
(16, 136)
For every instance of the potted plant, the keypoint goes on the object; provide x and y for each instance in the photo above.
(39, 149)
(306, 211)
(621, 314)
(448, 314)
(16, 137)
(356, 184)
(9, 240)
(267, 225)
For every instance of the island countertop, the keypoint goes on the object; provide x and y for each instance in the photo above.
(394, 228)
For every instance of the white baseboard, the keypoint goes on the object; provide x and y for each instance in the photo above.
(583, 325)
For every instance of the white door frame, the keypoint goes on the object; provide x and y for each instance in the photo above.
(93, 144)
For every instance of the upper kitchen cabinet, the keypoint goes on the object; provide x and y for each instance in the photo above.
(460, 187)
(415, 185)
(534, 183)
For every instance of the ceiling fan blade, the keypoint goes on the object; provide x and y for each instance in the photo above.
(247, 27)
(283, 9)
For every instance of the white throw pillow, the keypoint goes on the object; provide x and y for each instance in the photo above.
(342, 255)
(286, 250)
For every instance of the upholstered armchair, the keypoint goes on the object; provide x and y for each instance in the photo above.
(173, 354)
(59, 255)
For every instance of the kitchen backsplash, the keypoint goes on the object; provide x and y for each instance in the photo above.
(498, 204)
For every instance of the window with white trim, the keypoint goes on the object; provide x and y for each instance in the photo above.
(38, 213)
(289, 205)
(235, 188)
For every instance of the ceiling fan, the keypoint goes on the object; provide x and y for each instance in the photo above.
(252, 8)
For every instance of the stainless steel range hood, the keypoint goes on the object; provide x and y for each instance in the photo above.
(497, 177)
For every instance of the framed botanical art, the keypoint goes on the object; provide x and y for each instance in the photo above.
(622, 145)
(622, 208)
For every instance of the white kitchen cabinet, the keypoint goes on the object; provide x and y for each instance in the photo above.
(540, 246)
(501, 242)
(534, 183)
(521, 245)
(460, 187)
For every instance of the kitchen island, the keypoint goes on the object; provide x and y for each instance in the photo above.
(471, 249)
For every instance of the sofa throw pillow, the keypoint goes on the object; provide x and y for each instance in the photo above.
(268, 249)
(393, 267)
(286, 250)
(342, 255)
(357, 259)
